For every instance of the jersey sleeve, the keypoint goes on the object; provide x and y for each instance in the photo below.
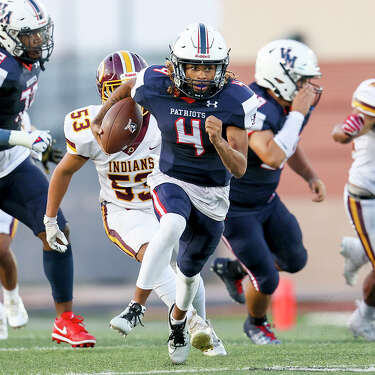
(244, 108)
(150, 82)
(79, 138)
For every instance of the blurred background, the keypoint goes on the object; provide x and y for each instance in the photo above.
(86, 31)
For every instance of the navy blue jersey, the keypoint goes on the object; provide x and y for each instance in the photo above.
(186, 151)
(260, 181)
(18, 85)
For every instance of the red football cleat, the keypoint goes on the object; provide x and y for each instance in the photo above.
(69, 328)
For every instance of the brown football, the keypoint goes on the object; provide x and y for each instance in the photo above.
(121, 125)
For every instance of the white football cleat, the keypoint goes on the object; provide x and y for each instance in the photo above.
(178, 341)
(3, 323)
(218, 346)
(355, 258)
(15, 312)
(362, 325)
(200, 332)
(128, 319)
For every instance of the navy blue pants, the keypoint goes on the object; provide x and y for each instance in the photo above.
(202, 234)
(262, 236)
(23, 195)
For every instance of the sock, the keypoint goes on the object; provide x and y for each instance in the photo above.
(186, 288)
(58, 268)
(10, 294)
(159, 250)
(199, 301)
(257, 321)
(166, 287)
(175, 321)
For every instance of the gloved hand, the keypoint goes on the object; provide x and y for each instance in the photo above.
(52, 154)
(53, 233)
(40, 140)
(353, 124)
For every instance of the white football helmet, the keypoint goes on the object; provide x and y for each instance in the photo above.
(26, 30)
(364, 97)
(281, 63)
(199, 44)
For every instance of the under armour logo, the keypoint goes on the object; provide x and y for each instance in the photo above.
(131, 126)
(214, 104)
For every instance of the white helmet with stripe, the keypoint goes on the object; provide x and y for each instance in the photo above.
(26, 30)
(199, 44)
(364, 97)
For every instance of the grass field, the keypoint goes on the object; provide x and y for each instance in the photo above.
(309, 348)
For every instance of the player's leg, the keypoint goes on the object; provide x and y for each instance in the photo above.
(361, 212)
(14, 309)
(26, 190)
(245, 235)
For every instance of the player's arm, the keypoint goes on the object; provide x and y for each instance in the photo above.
(301, 165)
(355, 125)
(123, 91)
(58, 186)
(233, 153)
(274, 149)
(37, 140)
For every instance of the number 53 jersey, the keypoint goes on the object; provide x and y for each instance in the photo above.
(122, 176)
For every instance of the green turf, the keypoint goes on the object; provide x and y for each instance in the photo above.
(30, 351)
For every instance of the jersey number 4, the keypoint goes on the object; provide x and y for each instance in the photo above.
(194, 138)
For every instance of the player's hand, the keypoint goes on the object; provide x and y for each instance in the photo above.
(304, 99)
(54, 234)
(40, 140)
(353, 124)
(52, 154)
(318, 189)
(214, 127)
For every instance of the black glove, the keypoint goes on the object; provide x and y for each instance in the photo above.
(52, 154)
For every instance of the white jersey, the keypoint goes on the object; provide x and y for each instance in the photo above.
(10, 159)
(122, 176)
(362, 171)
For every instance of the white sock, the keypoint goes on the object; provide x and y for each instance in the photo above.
(186, 288)
(199, 301)
(10, 294)
(166, 287)
(366, 310)
(159, 251)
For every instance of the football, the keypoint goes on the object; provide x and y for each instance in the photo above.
(121, 125)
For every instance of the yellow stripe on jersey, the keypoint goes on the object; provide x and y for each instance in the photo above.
(360, 230)
(14, 228)
(71, 145)
(363, 106)
(114, 239)
(128, 62)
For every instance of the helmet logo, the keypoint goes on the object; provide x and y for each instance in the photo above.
(285, 54)
(4, 14)
(213, 104)
(202, 56)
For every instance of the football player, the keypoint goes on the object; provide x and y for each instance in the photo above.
(128, 217)
(26, 43)
(262, 233)
(203, 115)
(359, 199)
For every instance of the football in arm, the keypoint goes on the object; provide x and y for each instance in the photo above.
(121, 125)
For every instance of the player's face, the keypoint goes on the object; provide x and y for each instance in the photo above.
(307, 81)
(33, 43)
(198, 74)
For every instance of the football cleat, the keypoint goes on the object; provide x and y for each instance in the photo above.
(233, 284)
(3, 323)
(128, 319)
(15, 312)
(178, 340)
(69, 328)
(218, 346)
(260, 335)
(355, 258)
(361, 325)
(200, 332)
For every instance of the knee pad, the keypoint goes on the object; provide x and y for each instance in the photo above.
(296, 262)
(269, 283)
